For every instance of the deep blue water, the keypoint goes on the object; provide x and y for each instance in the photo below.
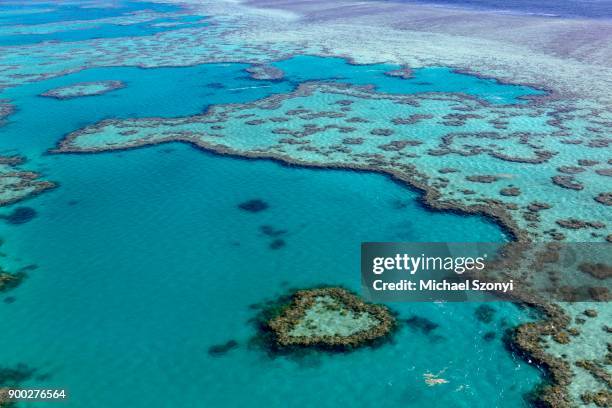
(145, 260)
(554, 8)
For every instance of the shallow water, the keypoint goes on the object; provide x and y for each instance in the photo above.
(146, 260)
(431, 79)
(598, 9)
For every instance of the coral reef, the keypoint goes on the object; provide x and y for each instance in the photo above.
(403, 159)
(330, 318)
(17, 184)
(601, 398)
(10, 281)
(84, 89)
(265, 72)
(13, 377)
(6, 109)
(526, 340)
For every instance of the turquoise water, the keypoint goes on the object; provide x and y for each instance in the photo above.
(180, 91)
(431, 79)
(110, 31)
(145, 260)
(13, 13)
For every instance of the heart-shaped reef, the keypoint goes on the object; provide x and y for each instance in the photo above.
(331, 318)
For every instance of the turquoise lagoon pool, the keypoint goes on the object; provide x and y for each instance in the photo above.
(145, 261)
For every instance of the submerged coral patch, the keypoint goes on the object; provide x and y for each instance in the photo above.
(604, 198)
(84, 89)
(10, 281)
(277, 243)
(489, 336)
(422, 324)
(221, 349)
(9, 300)
(265, 72)
(14, 377)
(6, 109)
(271, 231)
(253, 206)
(597, 270)
(485, 313)
(20, 215)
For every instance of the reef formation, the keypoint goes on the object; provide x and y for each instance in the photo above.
(84, 89)
(330, 318)
(17, 184)
(328, 125)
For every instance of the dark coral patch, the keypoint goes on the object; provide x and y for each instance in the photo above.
(601, 398)
(596, 270)
(277, 244)
(485, 313)
(421, 324)
(381, 132)
(10, 281)
(410, 120)
(446, 170)
(574, 224)
(568, 182)
(604, 172)
(486, 178)
(254, 206)
(399, 204)
(20, 215)
(570, 169)
(489, 336)
(221, 349)
(13, 376)
(270, 231)
(352, 141)
(604, 198)
(510, 191)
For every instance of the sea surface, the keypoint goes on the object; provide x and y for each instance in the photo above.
(595, 9)
(145, 260)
